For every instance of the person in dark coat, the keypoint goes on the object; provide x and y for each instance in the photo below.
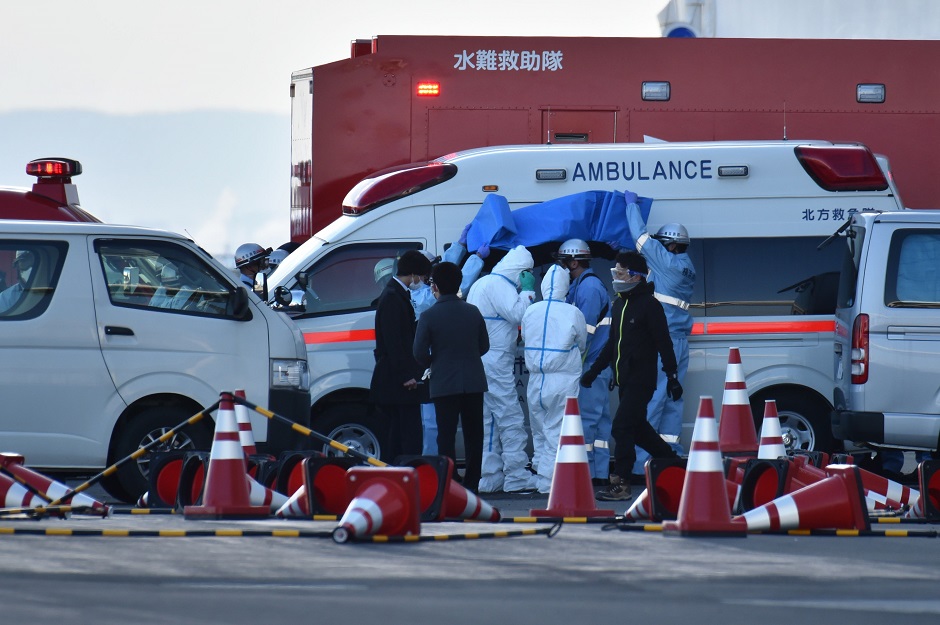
(450, 339)
(638, 333)
(394, 388)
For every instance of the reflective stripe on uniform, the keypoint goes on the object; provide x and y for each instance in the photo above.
(588, 447)
(591, 329)
(668, 299)
(601, 444)
(669, 438)
(641, 240)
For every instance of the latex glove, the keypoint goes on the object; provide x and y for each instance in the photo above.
(588, 379)
(673, 388)
(483, 251)
(630, 197)
(527, 281)
(463, 235)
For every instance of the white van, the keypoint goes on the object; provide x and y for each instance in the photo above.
(887, 344)
(111, 335)
(756, 212)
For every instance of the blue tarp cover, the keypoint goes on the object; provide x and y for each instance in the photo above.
(592, 216)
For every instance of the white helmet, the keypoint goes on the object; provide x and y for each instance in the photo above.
(169, 275)
(672, 233)
(248, 253)
(275, 258)
(383, 268)
(574, 249)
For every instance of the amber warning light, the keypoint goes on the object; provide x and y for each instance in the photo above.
(427, 89)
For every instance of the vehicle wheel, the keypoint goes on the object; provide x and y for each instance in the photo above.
(131, 480)
(352, 426)
(804, 419)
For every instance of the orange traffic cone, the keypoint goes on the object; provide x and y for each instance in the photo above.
(571, 493)
(384, 501)
(245, 435)
(227, 493)
(703, 507)
(835, 502)
(771, 438)
(640, 510)
(881, 489)
(927, 506)
(736, 434)
(15, 495)
(296, 506)
(323, 490)
(441, 497)
(48, 487)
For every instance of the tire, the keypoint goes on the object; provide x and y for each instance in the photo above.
(352, 425)
(132, 479)
(804, 419)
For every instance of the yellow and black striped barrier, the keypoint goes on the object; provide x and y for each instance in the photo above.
(631, 526)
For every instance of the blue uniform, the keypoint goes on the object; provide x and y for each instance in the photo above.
(589, 295)
(674, 277)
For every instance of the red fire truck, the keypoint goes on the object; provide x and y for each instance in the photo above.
(53, 196)
(402, 99)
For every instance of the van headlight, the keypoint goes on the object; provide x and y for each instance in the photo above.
(290, 374)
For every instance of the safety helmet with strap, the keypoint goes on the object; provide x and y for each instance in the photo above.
(248, 253)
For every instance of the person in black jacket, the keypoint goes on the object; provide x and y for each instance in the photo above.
(451, 338)
(638, 333)
(394, 388)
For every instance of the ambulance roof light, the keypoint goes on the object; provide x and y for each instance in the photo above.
(54, 168)
(842, 167)
(391, 184)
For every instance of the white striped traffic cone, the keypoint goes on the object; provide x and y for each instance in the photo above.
(771, 438)
(50, 488)
(571, 494)
(703, 506)
(226, 494)
(15, 495)
(736, 433)
(245, 435)
(296, 506)
(385, 502)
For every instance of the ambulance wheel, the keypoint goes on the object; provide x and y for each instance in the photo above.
(804, 419)
(353, 426)
(131, 479)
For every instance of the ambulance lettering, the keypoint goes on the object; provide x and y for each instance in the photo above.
(637, 170)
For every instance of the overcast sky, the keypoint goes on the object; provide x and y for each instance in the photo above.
(127, 56)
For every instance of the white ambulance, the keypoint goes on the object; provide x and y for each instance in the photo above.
(756, 212)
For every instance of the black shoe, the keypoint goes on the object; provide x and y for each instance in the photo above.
(617, 490)
(638, 479)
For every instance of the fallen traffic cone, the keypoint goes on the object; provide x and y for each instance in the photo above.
(163, 479)
(46, 486)
(736, 434)
(887, 492)
(571, 494)
(927, 506)
(245, 435)
(771, 438)
(640, 510)
(323, 491)
(296, 507)
(15, 495)
(227, 493)
(441, 496)
(833, 503)
(384, 501)
(664, 479)
(703, 507)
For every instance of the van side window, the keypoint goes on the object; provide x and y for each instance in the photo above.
(352, 277)
(29, 273)
(912, 278)
(162, 276)
(767, 276)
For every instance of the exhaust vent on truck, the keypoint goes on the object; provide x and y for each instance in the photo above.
(391, 184)
(842, 167)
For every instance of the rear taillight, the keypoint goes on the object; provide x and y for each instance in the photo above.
(842, 167)
(860, 350)
(398, 182)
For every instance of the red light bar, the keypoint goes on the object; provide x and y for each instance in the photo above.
(53, 168)
(842, 167)
(427, 89)
(396, 182)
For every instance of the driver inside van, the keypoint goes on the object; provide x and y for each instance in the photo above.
(171, 293)
(23, 265)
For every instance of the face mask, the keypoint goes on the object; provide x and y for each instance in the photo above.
(623, 287)
(24, 274)
(415, 284)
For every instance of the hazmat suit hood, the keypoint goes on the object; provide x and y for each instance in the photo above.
(516, 260)
(555, 284)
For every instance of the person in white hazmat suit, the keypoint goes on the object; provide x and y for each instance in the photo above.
(555, 336)
(504, 435)
(672, 271)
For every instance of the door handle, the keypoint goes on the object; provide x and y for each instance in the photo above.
(118, 331)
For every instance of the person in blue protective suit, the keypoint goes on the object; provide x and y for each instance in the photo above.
(497, 297)
(589, 295)
(639, 337)
(555, 337)
(672, 271)
(423, 298)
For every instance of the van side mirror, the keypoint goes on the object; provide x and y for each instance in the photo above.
(282, 296)
(238, 305)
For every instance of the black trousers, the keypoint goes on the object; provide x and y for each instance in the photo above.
(404, 436)
(630, 428)
(468, 409)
